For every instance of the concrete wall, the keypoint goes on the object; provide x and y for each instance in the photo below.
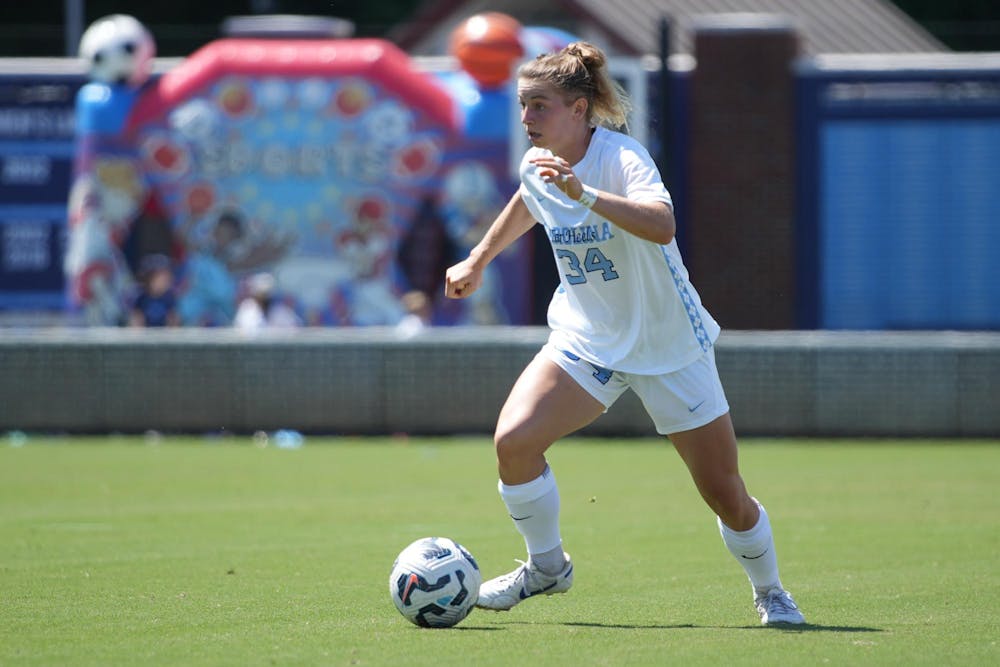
(368, 381)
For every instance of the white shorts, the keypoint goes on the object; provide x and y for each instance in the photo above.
(678, 401)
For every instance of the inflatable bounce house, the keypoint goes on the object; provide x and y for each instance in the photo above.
(334, 165)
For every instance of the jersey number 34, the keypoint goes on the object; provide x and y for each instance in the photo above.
(593, 261)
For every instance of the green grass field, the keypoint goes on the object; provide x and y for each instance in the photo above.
(115, 551)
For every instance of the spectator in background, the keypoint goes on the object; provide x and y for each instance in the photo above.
(261, 309)
(228, 248)
(419, 313)
(156, 303)
(208, 295)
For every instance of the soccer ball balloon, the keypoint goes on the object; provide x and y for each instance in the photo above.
(487, 46)
(118, 49)
(435, 582)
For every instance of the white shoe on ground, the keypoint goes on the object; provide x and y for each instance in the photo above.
(776, 607)
(505, 591)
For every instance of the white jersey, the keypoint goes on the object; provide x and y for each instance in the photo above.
(623, 303)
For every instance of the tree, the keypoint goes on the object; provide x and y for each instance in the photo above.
(963, 25)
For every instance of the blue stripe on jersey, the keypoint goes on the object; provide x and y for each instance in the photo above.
(692, 308)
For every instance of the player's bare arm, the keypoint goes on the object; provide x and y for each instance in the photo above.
(652, 221)
(464, 278)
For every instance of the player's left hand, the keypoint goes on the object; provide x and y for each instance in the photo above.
(557, 171)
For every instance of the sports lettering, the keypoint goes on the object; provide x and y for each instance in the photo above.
(581, 234)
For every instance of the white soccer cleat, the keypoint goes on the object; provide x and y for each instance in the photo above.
(776, 607)
(507, 590)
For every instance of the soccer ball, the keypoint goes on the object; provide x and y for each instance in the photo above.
(118, 50)
(435, 582)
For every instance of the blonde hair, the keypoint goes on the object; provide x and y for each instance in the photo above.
(581, 70)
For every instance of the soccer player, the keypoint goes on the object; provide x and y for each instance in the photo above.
(624, 316)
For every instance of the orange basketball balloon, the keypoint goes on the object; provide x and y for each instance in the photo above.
(487, 47)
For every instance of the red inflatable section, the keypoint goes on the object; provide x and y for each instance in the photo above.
(374, 59)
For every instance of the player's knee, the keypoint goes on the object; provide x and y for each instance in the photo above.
(507, 442)
(729, 500)
(513, 442)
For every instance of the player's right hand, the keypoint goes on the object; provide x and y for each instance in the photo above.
(462, 280)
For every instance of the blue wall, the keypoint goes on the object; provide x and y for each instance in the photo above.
(910, 224)
(899, 199)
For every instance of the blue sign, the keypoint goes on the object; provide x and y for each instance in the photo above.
(898, 197)
(36, 157)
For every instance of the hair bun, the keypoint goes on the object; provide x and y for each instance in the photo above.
(588, 54)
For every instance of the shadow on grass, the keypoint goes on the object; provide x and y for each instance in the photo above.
(628, 626)
(810, 627)
(613, 626)
(807, 627)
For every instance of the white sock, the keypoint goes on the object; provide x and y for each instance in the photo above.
(534, 507)
(754, 549)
